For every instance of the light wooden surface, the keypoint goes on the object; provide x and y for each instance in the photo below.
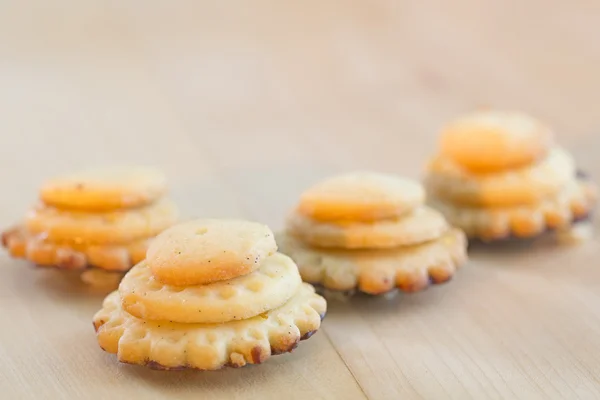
(244, 104)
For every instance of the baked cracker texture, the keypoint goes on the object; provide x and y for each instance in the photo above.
(510, 202)
(98, 222)
(231, 322)
(408, 251)
(173, 346)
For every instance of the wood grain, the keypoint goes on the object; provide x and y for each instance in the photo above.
(244, 104)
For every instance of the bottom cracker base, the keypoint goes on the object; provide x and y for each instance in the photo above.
(174, 346)
(377, 272)
(573, 205)
(513, 239)
(101, 266)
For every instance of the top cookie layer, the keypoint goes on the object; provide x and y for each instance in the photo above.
(105, 189)
(361, 196)
(495, 140)
(209, 250)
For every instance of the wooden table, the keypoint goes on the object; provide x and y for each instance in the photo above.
(244, 104)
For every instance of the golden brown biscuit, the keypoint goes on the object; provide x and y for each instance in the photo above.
(97, 222)
(111, 227)
(72, 256)
(246, 296)
(492, 140)
(361, 196)
(224, 323)
(499, 175)
(526, 185)
(409, 268)
(490, 223)
(105, 189)
(170, 345)
(418, 226)
(376, 254)
(204, 251)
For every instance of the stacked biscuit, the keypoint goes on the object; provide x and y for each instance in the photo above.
(210, 294)
(97, 221)
(371, 232)
(500, 174)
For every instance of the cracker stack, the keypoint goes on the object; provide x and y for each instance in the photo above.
(210, 294)
(371, 232)
(98, 222)
(500, 174)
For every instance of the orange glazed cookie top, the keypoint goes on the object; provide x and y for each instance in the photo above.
(207, 250)
(104, 189)
(489, 141)
(361, 196)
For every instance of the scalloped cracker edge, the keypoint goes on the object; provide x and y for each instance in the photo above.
(174, 346)
(408, 268)
(574, 203)
(42, 252)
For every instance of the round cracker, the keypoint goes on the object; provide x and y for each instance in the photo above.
(104, 189)
(111, 227)
(522, 186)
(361, 196)
(243, 297)
(575, 202)
(73, 256)
(494, 140)
(408, 268)
(209, 250)
(171, 345)
(420, 225)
